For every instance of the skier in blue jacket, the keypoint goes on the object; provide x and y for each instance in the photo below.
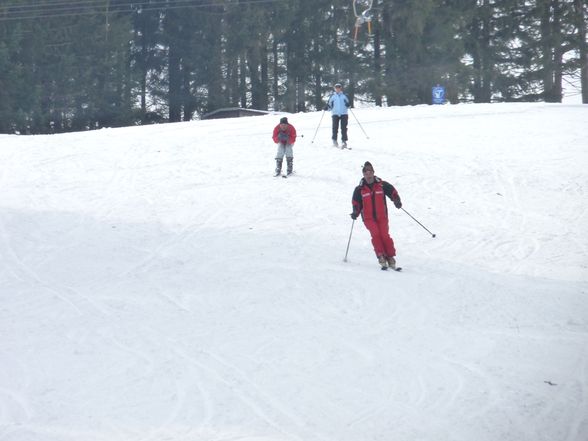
(338, 104)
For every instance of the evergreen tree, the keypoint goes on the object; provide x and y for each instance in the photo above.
(12, 85)
(421, 48)
(146, 55)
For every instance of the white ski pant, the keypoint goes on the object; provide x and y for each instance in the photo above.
(284, 149)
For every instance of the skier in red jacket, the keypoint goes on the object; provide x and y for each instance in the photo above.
(369, 199)
(285, 136)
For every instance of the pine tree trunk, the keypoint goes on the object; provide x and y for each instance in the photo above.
(264, 86)
(175, 84)
(216, 98)
(275, 77)
(551, 58)
(317, 86)
(187, 99)
(481, 53)
(388, 56)
(290, 80)
(242, 82)
(582, 25)
(377, 87)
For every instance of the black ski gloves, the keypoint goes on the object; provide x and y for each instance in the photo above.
(354, 215)
(398, 204)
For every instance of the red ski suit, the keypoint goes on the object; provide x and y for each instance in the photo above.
(370, 201)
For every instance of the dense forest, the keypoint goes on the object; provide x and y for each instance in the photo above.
(86, 64)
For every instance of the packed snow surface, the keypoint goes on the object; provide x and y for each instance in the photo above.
(158, 284)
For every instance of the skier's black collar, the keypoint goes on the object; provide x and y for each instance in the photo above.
(364, 182)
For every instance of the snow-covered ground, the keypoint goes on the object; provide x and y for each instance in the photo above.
(158, 284)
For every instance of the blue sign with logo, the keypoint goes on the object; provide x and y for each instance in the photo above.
(438, 94)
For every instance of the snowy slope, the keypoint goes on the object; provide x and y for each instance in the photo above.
(157, 283)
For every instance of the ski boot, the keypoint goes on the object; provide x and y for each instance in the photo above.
(278, 167)
(289, 166)
(383, 262)
(391, 262)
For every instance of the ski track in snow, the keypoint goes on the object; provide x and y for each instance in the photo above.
(159, 284)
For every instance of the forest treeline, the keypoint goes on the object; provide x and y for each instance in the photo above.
(86, 64)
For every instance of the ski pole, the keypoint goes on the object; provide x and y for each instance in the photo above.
(360, 126)
(432, 234)
(349, 241)
(317, 127)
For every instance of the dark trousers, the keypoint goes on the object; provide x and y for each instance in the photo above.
(343, 119)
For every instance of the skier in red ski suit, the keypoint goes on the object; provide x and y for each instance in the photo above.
(284, 136)
(369, 199)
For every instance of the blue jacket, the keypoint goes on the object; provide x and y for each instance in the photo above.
(338, 103)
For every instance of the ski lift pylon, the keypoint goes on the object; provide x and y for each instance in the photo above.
(362, 17)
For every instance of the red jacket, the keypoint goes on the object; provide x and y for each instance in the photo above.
(370, 200)
(290, 133)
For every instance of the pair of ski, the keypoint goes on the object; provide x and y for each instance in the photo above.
(283, 176)
(342, 146)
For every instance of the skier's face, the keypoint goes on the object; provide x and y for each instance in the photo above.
(368, 174)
